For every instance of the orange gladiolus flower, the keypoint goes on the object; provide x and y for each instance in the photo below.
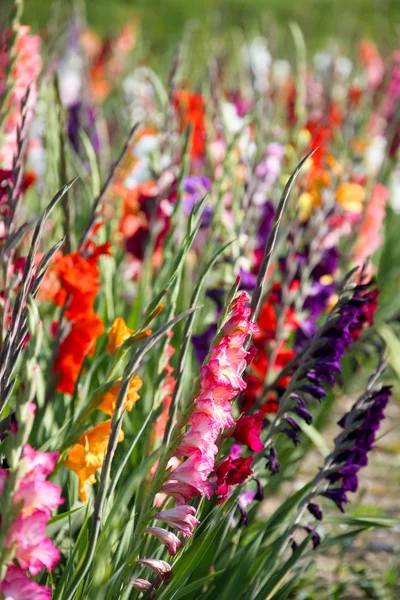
(107, 405)
(119, 332)
(351, 197)
(88, 455)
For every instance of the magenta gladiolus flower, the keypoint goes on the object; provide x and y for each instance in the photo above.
(180, 518)
(17, 586)
(42, 463)
(33, 550)
(167, 538)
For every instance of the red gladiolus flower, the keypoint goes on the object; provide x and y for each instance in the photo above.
(231, 472)
(75, 283)
(190, 107)
(248, 429)
(75, 347)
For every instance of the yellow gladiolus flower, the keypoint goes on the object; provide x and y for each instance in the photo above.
(351, 197)
(88, 455)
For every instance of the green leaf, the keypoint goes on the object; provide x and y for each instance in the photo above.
(192, 587)
(64, 515)
(189, 560)
(362, 521)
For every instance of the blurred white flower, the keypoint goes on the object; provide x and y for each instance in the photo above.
(343, 67)
(375, 154)
(257, 56)
(280, 72)
(394, 198)
(232, 121)
(323, 62)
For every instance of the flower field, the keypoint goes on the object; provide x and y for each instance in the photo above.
(199, 315)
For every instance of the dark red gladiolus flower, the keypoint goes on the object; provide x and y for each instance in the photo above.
(231, 472)
(248, 429)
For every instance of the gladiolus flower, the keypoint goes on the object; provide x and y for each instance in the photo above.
(369, 235)
(119, 332)
(16, 586)
(190, 107)
(88, 455)
(160, 567)
(220, 382)
(33, 550)
(37, 494)
(43, 462)
(182, 492)
(195, 471)
(142, 585)
(351, 197)
(180, 518)
(108, 403)
(248, 429)
(231, 472)
(75, 347)
(167, 538)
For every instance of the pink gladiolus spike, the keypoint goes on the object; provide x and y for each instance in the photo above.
(16, 586)
(180, 518)
(167, 538)
(160, 567)
(181, 492)
(220, 382)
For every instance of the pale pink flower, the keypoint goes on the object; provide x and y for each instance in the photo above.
(33, 550)
(219, 409)
(372, 61)
(16, 586)
(160, 567)
(370, 238)
(167, 538)
(142, 585)
(180, 518)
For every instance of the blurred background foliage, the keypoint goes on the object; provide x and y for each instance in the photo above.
(163, 21)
